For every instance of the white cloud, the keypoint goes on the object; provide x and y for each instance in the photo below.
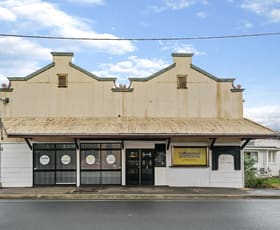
(7, 15)
(94, 2)
(21, 57)
(179, 4)
(201, 14)
(41, 15)
(132, 67)
(266, 115)
(275, 15)
(19, 46)
(175, 5)
(268, 8)
(178, 47)
(247, 24)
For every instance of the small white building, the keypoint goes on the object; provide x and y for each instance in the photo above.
(181, 126)
(266, 153)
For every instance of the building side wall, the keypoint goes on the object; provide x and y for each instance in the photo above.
(16, 165)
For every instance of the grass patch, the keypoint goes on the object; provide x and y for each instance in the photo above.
(273, 182)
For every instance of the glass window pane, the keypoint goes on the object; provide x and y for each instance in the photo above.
(90, 177)
(66, 177)
(66, 159)
(43, 146)
(44, 178)
(66, 146)
(111, 146)
(111, 159)
(90, 159)
(44, 160)
(90, 146)
(111, 177)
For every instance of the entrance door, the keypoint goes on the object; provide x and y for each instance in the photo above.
(140, 167)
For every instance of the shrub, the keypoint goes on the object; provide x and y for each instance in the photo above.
(251, 181)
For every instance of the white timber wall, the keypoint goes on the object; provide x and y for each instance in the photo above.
(226, 176)
(275, 166)
(186, 176)
(16, 165)
(263, 162)
(192, 177)
(160, 176)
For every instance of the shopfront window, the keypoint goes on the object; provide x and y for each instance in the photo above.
(54, 164)
(100, 163)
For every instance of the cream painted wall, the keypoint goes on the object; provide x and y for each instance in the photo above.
(158, 97)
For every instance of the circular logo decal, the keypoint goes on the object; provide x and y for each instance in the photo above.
(90, 159)
(44, 159)
(65, 159)
(110, 159)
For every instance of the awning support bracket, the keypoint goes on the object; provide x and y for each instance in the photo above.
(245, 143)
(168, 143)
(28, 143)
(212, 142)
(77, 144)
(122, 144)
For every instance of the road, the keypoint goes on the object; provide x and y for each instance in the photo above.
(132, 215)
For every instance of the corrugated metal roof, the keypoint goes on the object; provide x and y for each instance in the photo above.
(108, 126)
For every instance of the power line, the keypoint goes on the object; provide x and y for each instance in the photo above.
(143, 39)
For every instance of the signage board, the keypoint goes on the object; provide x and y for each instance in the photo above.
(189, 156)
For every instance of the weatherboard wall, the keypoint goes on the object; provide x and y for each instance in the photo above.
(16, 165)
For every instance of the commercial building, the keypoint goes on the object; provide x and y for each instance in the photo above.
(181, 126)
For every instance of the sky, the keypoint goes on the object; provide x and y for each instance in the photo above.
(253, 62)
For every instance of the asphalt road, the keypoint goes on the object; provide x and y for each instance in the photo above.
(149, 215)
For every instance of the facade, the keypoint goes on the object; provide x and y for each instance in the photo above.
(181, 126)
(266, 153)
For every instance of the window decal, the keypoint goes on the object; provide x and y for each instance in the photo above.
(44, 160)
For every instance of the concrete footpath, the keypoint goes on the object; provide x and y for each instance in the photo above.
(135, 193)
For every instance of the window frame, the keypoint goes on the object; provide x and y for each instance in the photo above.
(272, 156)
(62, 80)
(182, 81)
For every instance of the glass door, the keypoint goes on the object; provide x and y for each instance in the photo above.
(140, 167)
(147, 167)
(132, 167)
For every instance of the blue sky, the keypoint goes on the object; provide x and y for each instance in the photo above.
(254, 62)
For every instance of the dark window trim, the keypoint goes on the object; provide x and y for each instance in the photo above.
(62, 80)
(182, 81)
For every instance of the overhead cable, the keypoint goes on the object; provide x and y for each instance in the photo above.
(142, 39)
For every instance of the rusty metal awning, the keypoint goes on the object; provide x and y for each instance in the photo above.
(114, 128)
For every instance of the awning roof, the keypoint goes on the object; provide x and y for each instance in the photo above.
(105, 127)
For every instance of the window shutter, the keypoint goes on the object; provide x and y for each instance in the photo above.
(62, 80)
(181, 81)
